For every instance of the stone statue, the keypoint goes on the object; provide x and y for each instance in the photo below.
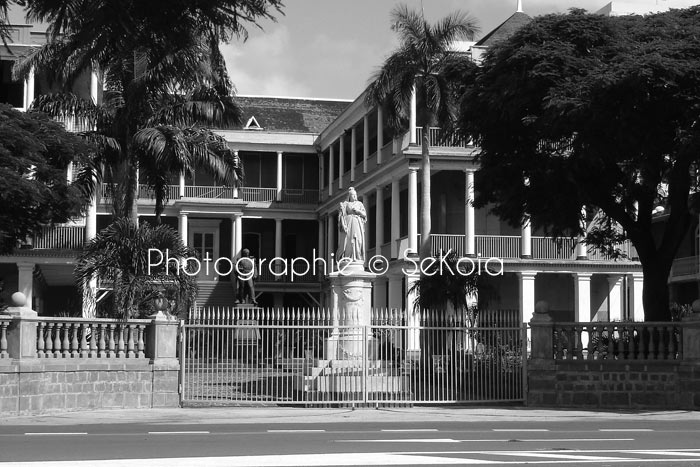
(351, 225)
(245, 275)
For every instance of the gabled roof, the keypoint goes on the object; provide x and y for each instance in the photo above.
(290, 115)
(505, 30)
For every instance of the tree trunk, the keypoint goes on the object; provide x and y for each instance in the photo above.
(425, 244)
(655, 296)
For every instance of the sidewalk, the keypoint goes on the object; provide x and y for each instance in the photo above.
(282, 415)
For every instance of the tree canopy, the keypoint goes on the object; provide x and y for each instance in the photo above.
(34, 191)
(580, 110)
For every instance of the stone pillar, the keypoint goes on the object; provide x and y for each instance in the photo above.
(615, 298)
(21, 333)
(25, 280)
(689, 378)
(331, 241)
(542, 330)
(380, 134)
(351, 308)
(469, 237)
(541, 367)
(526, 238)
(395, 218)
(331, 168)
(637, 284)
(94, 86)
(582, 297)
(365, 145)
(29, 85)
(412, 321)
(581, 248)
(278, 243)
(412, 119)
(413, 210)
(279, 176)
(235, 188)
(341, 162)
(162, 337)
(527, 294)
(353, 153)
(183, 228)
(238, 236)
(91, 217)
(379, 226)
(182, 185)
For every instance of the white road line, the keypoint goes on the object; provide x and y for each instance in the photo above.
(420, 440)
(518, 429)
(625, 429)
(549, 440)
(178, 433)
(296, 431)
(562, 456)
(411, 430)
(76, 433)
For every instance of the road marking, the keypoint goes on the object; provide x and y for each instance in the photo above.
(625, 429)
(411, 430)
(549, 440)
(178, 433)
(76, 433)
(420, 440)
(519, 429)
(296, 431)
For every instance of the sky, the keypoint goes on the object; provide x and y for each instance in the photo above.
(330, 48)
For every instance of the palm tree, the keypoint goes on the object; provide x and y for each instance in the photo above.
(422, 64)
(161, 65)
(119, 255)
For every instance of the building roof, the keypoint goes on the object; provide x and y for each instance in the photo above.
(288, 114)
(505, 30)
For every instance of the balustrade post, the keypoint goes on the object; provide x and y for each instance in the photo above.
(21, 333)
(541, 365)
(162, 339)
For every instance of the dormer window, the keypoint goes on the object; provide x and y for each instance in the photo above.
(252, 124)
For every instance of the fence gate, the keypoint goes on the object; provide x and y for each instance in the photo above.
(308, 356)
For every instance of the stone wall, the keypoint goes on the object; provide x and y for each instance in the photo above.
(44, 387)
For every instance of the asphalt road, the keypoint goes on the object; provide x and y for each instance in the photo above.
(329, 440)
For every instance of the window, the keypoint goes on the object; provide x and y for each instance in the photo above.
(11, 92)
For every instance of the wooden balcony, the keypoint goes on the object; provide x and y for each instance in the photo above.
(59, 238)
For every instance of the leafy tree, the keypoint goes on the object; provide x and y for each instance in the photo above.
(34, 191)
(585, 110)
(424, 62)
(161, 65)
(119, 255)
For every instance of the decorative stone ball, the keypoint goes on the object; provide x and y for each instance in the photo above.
(696, 306)
(542, 307)
(18, 299)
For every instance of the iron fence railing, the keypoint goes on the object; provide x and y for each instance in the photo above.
(313, 356)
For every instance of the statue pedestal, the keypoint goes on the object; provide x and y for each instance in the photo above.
(351, 305)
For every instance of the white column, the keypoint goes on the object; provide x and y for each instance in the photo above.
(365, 146)
(29, 94)
(469, 237)
(238, 238)
(526, 238)
(527, 295)
(278, 242)
(380, 134)
(182, 184)
(582, 297)
(69, 172)
(91, 218)
(341, 162)
(94, 86)
(183, 228)
(413, 321)
(235, 189)
(25, 280)
(637, 283)
(413, 210)
(581, 248)
(615, 298)
(331, 166)
(279, 176)
(379, 229)
(353, 153)
(365, 201)
(395, 218)
(412, 119)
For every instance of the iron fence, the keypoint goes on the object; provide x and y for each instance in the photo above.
(313, 356)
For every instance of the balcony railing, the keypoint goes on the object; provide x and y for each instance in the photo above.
(547, 248)
(689, 266)
(143, 193)
(439, 138)
(209, 192)
(300, 196)
(497, 246)
(60, 238)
